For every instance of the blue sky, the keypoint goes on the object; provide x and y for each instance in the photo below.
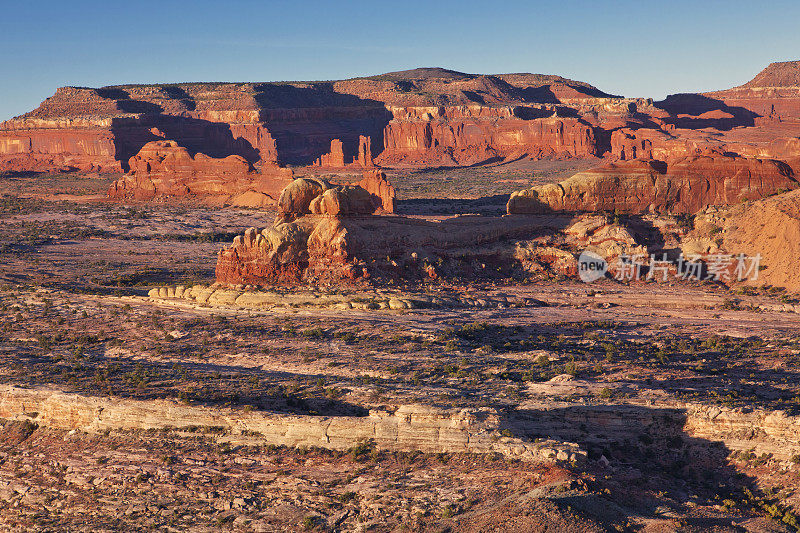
(639, 48)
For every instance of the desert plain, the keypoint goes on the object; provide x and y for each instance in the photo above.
(359, 306)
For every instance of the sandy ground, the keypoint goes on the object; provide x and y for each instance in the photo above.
(74, 315)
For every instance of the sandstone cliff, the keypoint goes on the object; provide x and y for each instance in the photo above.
(295, 123)
(423, 428)
(683, 185)
(473, 134)
(774, 92)
(428, 118)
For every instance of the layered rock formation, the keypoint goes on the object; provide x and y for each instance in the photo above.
(336, 158)
(468, 135)
(308, 231)
(58, 149)
(432, 118)
(249, 297)
(327, 233)
(409, 428)
(683, 185)
(774, 93)
(426, 429)
(703, 150)
(164, 170)
(100, 129)
(740, 430)
(382, 192)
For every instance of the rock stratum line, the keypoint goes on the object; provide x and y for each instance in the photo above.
(424, 428)
(233, 142)
(411, 427)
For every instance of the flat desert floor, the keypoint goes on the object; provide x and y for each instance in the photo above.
(75, 316)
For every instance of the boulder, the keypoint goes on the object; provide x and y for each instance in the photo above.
(344, 200)
(296, 198)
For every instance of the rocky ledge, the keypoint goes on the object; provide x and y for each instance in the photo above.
(408, 428)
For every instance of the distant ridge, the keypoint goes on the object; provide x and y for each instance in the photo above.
(500, 87)
(781, 74)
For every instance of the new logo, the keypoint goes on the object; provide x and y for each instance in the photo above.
(591, 266)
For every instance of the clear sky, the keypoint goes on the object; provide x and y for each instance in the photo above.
(632, 48)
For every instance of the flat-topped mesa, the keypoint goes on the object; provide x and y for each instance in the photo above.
(295, 122)
(421, 118)
(164, 169)
(442, 87)
(100, 129)
(684, 185)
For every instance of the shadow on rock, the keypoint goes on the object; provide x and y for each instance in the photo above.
(642, 461)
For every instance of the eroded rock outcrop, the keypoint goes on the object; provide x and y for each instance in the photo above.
(163, 169)
(427, 429)
(469, 118)
(327, 233)
(383, 192)
(308, 234)
(684, 185)
(742, 430)
(336, 158)
(307, 230)
(468, 135)
(305, 196)
(408, 428)
(258, 298)
(768, 228)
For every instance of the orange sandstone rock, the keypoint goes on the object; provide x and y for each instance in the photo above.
(328, 233)
(364, 157)
(163, 169)
(336, 158)
(383, 193)
(295, 200)
(685, 185)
